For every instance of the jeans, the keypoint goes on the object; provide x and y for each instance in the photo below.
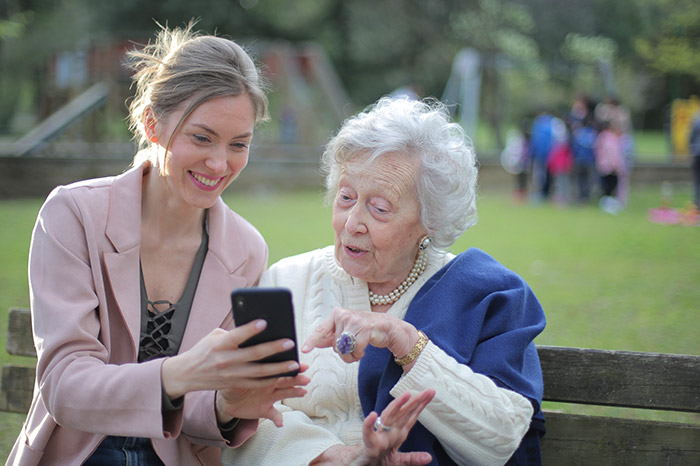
(609, 184)
(124, 451)
(540, 179)
(583, 172)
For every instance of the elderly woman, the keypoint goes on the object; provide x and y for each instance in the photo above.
(402, 180)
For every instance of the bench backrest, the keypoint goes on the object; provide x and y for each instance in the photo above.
(17, 382)
(667, 382)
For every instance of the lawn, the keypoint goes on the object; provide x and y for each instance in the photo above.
(613, 282)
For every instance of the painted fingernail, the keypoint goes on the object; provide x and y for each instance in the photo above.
(289, 344)
(293, 366)
(261, 324)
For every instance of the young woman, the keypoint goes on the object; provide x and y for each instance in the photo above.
(130, 278)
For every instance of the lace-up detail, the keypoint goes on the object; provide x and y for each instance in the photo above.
(156, 341)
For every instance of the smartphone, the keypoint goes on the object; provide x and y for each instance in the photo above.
(275, 306)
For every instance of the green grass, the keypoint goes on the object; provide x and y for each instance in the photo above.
(613, 282)
(652, 146)
(16, 221)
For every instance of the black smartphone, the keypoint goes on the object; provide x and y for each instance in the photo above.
(275, 306)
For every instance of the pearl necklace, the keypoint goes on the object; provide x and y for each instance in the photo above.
(416, 271)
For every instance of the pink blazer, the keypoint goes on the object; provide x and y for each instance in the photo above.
(85, 300)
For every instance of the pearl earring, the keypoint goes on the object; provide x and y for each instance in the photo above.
(424, 243)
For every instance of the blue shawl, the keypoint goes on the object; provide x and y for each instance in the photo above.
(481, 314)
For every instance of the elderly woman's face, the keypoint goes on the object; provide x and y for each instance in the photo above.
(376, 218)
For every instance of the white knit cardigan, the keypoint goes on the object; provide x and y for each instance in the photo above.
(475, 421)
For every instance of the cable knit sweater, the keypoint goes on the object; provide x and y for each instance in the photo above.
(476, 421)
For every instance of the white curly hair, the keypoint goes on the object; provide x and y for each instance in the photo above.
(447, 177)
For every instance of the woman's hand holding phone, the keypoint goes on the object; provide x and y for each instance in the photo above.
(258, 403)
(246, 387)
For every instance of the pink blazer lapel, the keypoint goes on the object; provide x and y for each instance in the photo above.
(124, 232)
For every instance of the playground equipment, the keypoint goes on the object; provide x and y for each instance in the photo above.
(464, 88)
(307, 103)
(58, 122)
(309, 100)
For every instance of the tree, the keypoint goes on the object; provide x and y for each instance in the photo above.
(672, 40)
(532, 49)
(497, 29)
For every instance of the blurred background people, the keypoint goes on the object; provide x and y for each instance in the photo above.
(515, 158)
(609, 164)
(560, 162)
(541, 142)
(583, 137)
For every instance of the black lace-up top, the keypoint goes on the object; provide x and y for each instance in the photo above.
(162, 322)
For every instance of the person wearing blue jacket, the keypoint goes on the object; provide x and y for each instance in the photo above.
(583, 138)
(540, 148)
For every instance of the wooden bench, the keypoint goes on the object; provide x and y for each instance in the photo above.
(665, 382)
(17, 382)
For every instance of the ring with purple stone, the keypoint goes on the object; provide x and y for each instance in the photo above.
(345, 344)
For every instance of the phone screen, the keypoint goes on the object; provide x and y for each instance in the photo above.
(273, 305)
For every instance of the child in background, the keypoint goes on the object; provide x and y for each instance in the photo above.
(515, 159)
(609, 163)
(583, 137)
(560, 162)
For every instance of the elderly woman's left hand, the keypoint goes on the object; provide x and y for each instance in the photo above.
(381, 439)
(381, 447)
(369, 328)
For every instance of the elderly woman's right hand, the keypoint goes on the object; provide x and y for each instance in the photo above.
(381, 447)
(378, 329)
(217, 363)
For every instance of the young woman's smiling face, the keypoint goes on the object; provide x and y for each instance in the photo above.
(376, 219)
(209, 150)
